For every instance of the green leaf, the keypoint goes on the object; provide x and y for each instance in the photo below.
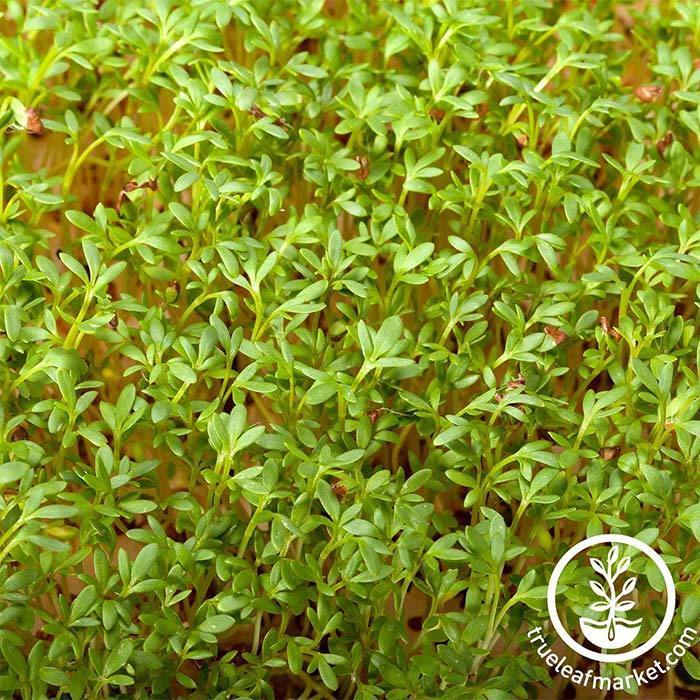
(12, 471)
(55, 512)
(144, 562)
(319, 393)
(691, 665)
(217, 624)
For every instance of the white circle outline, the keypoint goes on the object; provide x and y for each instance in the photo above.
(552, 597)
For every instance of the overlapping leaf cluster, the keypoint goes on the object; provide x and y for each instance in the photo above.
(326, 325)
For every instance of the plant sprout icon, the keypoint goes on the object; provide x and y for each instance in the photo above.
(615, 631)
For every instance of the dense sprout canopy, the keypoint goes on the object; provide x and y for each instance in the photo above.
(326, 326)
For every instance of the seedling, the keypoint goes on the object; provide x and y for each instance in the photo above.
(327, 326)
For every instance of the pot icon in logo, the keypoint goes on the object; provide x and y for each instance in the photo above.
(615, 631)
(612, 624)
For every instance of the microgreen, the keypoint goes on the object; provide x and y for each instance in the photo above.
(326, 326)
